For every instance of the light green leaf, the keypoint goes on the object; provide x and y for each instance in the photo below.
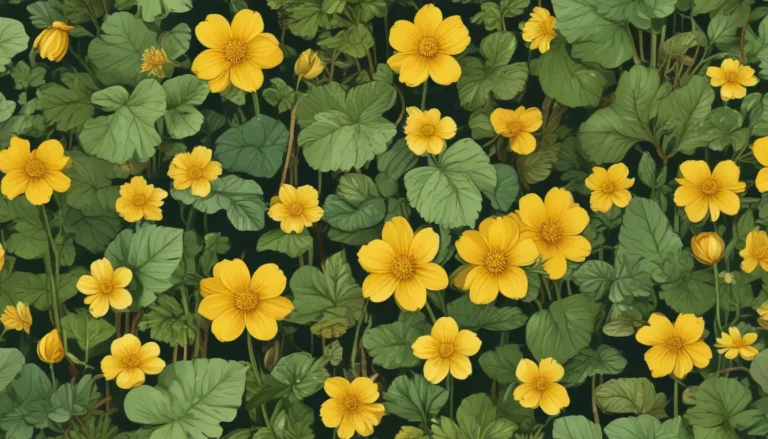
(488, 317)
(354, 41)
(390, 344)
(723, 129)
(94, 227)
(594, 277)
(176, 41)
(152, 10)
(682, 113)
(256, 147)
(646, 234)
(116, 54)
(87, 331)
(575, 427)
(500, 364)
(24, 405)
(562, 330)
(478, 419)
(631, 395)
(299, 375)
(182, 94)
(357, 204)
(68, 107)
(507, 187)
(279, 94)
(239, 197)
(492, 15)
(720, 404)
(91, 183)
(71, 400)
(567, 81)
(397, 160)
(166, 322)
(292, 244)
(682, 288)
(758, 370)
(589, 362)
(637, 12)
(13, 40)
(33, 289)
(11, 362)
(644, 427)
(414, 398)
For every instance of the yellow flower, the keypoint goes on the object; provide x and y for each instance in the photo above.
(426, 131)
(675, 349)
(446, 349)
(17, 318)
(732, 78)
(308, 65)
(762, 313)
(708, 247)
(701, 190)
(49, 348)
(352, 406)
(153, 60)
(728, 278)
(105, 287)
(425, 48)
(734, 345)
(2, 257)
(539, 30)
(495, 254)
(298, 208)
(401, 263)
(517, 126)
(235, 300)
(539, 386)
(760, 150)
(554, 224)
(131, 361)
(236, 54)
(53, 42)
(36, 174)
(755, 251)
(139, 200)
(195, 169)
(609, 187)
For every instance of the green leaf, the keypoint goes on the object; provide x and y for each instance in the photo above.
(354, 41)
(191, 399)
(7, 107)
(116, 53)
(488, 317)
(13, 40)
(492, 15)
(414, 398)
(94, 227)
(594, 277)
(241, 199)
(719, 407)
(682, 113)
(87, 331)
(638, 12)
(758, 370)
(500, 364)
(91, 183)
(176, 41)
(390, 344)
(631, 395)
(644, 427)
(646, 170)
(182, 94)
(292, 244)
(256, 147)
(166, 322)
(478, 419)
(723, 26)
(71, 400)
(33, 289)
(357, 204)
(24, 405)
(589, 362)
(507, 187)
(685, 290)
(397, 160)
(723, 129)
(575, 427)
(646, 234)
(11, 362)
(279, 94)
(293, 423)
(562, 330)
(299, 375)
(152, 10)
(567, 81)
(68, 107)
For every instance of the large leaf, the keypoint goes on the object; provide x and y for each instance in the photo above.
(501, 363)
(298, 376)
(646, 234)
(644, 427)
(151, 10)
(68, 106)
(488, 317)
(13, 40)
(571, 83)
(575, 427)
(116, 53)
(166, 322)
(562, 330)
(11, 362)
(256, 147)
(589, 362)
(34, 289)
(390, 344)
(356, 205)
(630, 395)
(241, 198)
(183, 94)
(719, 408)
(292, 244)
(87, 331)
(758, 370)
(477, 419)
(682, 113)
(414, 398)
(24, 404)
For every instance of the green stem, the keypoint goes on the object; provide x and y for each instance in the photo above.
(252, 357)
(654, 49)
(333, 64)
(353, 356)
(53, 269)
(430, 312)
(718, 322)
(319, 182)
(424, 94)
(676, 397)
(595, 413)
(53, 376)
(256, 109)
(190, 223)
(83, 63)
(449, 388)
(490, 142)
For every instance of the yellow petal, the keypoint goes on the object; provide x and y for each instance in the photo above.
(398, 234)
(379, 286)
(277, 307)
(660, 360)
(425, 347)
(404, 36)
(247, 25)
(268, 281)
(214, 32)
(689, 327)
(527, 371)
(513, 283)
(452, 35)
(247, 76)
(365, 390)
(445, 330)
(554, 399)
(656, 333)
(466, 343)
(483, 286)
(260, 325)
(435, 370)
(130, 378)
(428, 19)
(472, 247)
(460, 367)
(337, 387)
(228, 325)
(551, 370)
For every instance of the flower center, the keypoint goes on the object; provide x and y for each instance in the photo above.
(106, 286)
(445, 349)
(139, 200)
(709, 187)
(541, 384)
(515, 127)
(760, 251)
(428, 47)
(295, 209)
(235, 51)
(547, 27)
(402, 267)
(738, 343)
(195, 173)
(608, 187)
(35, 168)
(350, 403)
(428, 130)
(131, 360)
(495, 261)
(551, 232)
(732, 76)
(246, 300)
(675, 344)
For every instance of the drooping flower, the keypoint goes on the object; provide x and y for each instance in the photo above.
(53, 41)
(351, 407)
(17, 318)
(539, 386)
(755, 251)
(401, 263)
(495, 254)
(760, 150)
(49, 348)
(539, 30)
(308, 65)
(36, 174)
(446, 350)
(194, 169)
(153, 61)
(297, 208)
(555, 225)
(733, 345)
(708, 247)
(139, 200)
(517, 126)
(732, 78)
(234, 300)
(426, 131)
(609, 187)
(131, 361)
(105, 287)
(236, 54)
(675, 349)
(426, 47)
(701, 190)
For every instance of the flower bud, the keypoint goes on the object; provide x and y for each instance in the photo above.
(53, 42)
(308, 65)
(708, 247)
(49, 349)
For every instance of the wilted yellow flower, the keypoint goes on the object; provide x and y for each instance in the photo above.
(517, 126)
(49, 348)
(131, 361)
(17, 318)
(701, 190)
(708, 247)
(539, 30)
(675, 349)
(446, 350)
(153, 60)
(609, 187)
(352, 406)
(139, 200)
(36, 174)
(298, 208)
(732, 78)
(105, 287)
(236, 54)
(53, 42)
(308, 65)
(195, 170)
(426, 131)
(425, 48)
(539, 386)
(734, 345)
(760, 150)
(755, 251)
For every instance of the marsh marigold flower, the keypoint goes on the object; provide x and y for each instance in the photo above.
(708, 247)
(426, 131)
(131, 361)
(49, 348)
(760, 150)
(297, 208)
(352, 407)
(733, 345)
(755, 251)
(539, 30)
(105, 287)
(308, 65)
(425, 48)
(17, 318)
(762, 315)
(446, 349)
(153, 61)
(494, 254)
(701, 190)
(53, 42)
(675, 349)
(36, 174)
(139, 200)
(517, 126)
(555, 225)
(236, 54)
(194, 169)
(539, 386)
(609, 187)
(732, 78)
(234, 300)
(401, 263)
